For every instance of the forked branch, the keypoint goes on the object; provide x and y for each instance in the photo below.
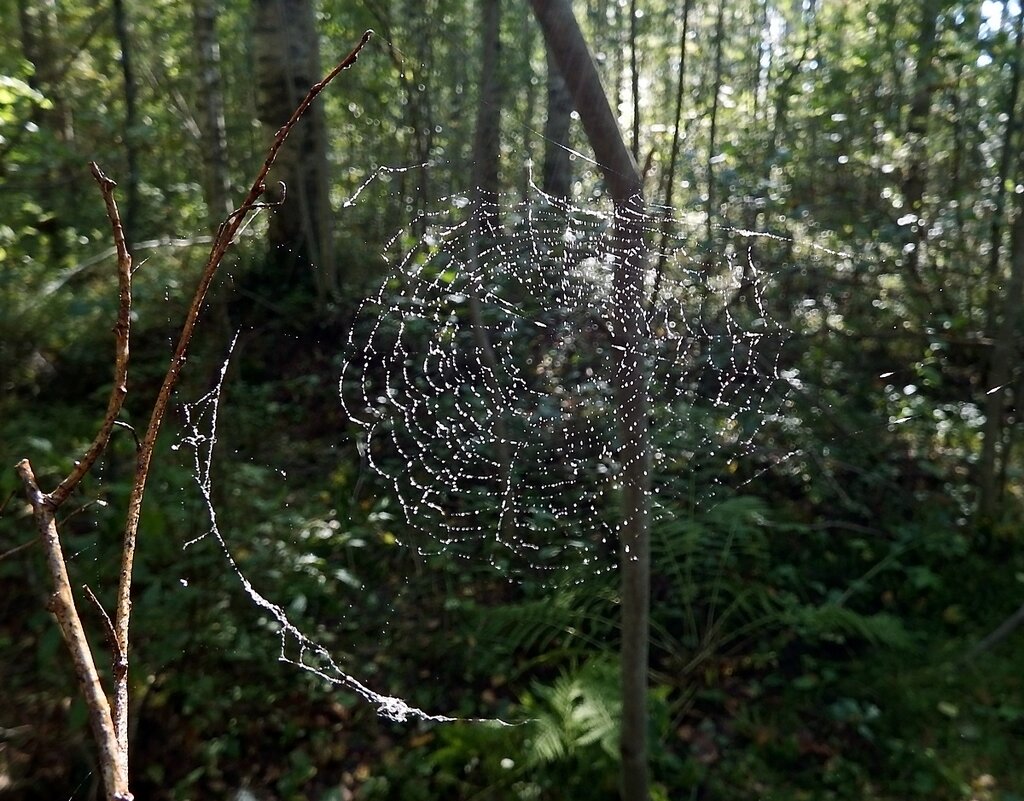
(225, 236)
(62, 604)
(122, 330)
(110, 727)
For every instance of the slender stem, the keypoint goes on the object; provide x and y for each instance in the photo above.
(625, 186)
(223, 240)
(673, 160)
(122, 331)
(62, 604)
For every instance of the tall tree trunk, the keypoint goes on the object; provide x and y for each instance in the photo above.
(1000, 380)
(483, 228)
(40, 46)
(1010, 132)
(716, 88)
(419, 143)
(287, 62)
(917, 140)
(566, 43)
(673, 159)
(216, 180)
(557, 178)
(762, 69)
(130, 137)
(423, 29)
(531, 92)
(486, 141)
(634, 76)
(784, 90)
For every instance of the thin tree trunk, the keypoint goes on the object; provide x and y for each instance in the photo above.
(762, 69)
(673, 159)
(419, 144)
(486, 141)
(483, 228)
(40, 45)
(1005, 164)
(287, 59)
(525, 44)
(423, 56)
(216, 180)
(1000, 378)
(634, 75)
(784, 90)
(713, 136)
(557, 177)
(618, 57)
(917, 134)
(622, 177)
(131, 124)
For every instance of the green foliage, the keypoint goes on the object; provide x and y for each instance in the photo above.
(812, 600)
(565, 745)
(562, 626)
(836, 623)
(577, 716)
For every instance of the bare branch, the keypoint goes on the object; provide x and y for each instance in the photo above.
(225, 236)
(81, 509)
(110, 727)
(131, 430)
(113, 766)
(119, 662)
(16, 549)
(62, 604)
(122, 330)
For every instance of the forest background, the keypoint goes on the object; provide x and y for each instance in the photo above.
(833, 613)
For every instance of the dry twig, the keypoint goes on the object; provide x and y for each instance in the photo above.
(110, 728)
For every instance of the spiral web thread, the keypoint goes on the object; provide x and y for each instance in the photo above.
(479, 379)
(481, 376)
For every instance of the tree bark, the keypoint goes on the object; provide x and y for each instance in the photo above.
(1000, 304)
(112, 762)
(484, 224)
(634, 78)
(416, 127)
(287, 60)
(557, 176)
(40, 44)
(486, 141)
(1000, 384)
(1006, 155)
(565, 41)
(917, 141)
(130, 136)
(713, 135)
(216, 180)
(673, 159)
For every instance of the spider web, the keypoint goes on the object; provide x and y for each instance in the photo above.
(480, 375)
(296, 647)
(479, 380)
